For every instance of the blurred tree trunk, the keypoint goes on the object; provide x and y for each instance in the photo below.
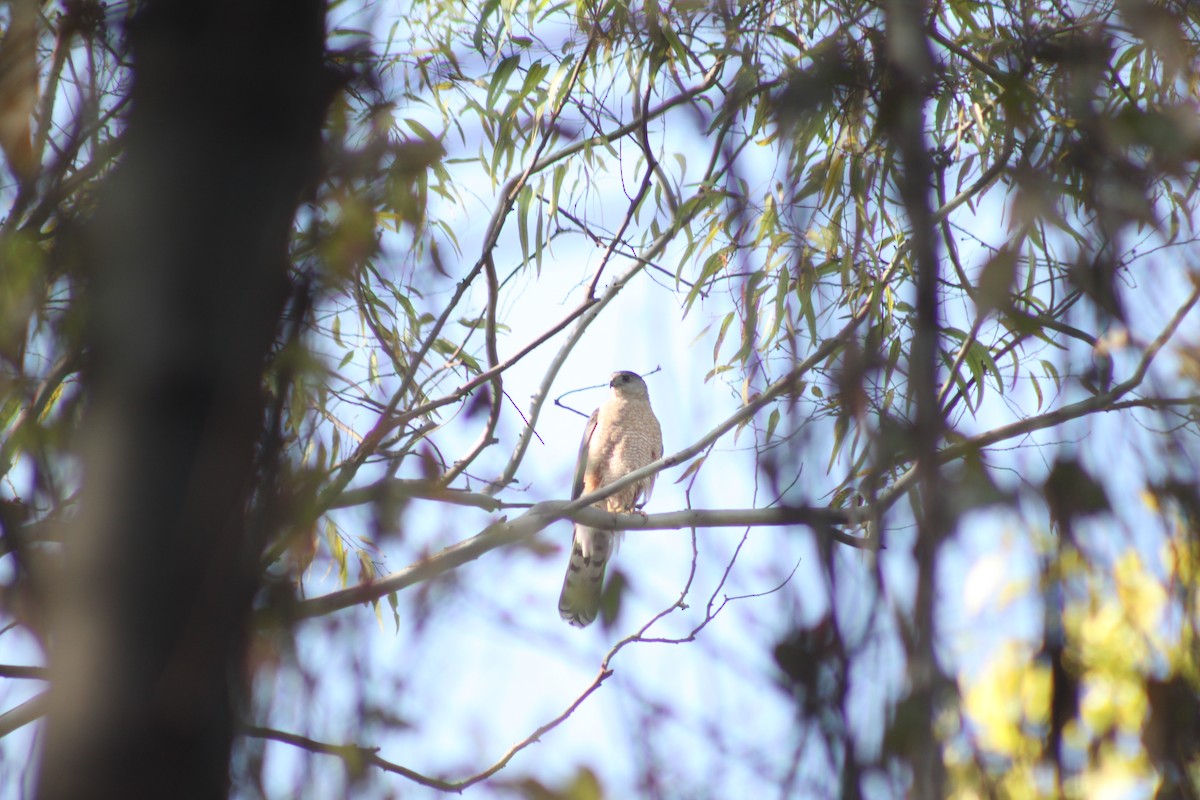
(187, 270)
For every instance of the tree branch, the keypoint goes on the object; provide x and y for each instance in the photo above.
(1103, 402)
(21, 671)
(394, 489)
(504, 532)
(22, 715)
(357, 755)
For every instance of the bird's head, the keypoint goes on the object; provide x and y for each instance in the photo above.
(628, 384)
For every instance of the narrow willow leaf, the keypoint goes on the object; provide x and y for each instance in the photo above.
(772, 423)
(500, 79)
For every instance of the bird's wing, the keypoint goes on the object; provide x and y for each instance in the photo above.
(656, 452)
(581, 462)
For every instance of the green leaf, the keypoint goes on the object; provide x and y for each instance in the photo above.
(488, 9)
(500, 79)
(560, 172)
(1052, 372)
(983, 355)
(787, 35)
(337, 551)
(524, 197)
(553, 91)
(725, 323)
(421, 131)
(772, 422)
(533, 78)
(713, 265)
(394, 602)
(840, 426)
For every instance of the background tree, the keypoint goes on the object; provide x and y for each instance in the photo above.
(938, 472)
(184, 265)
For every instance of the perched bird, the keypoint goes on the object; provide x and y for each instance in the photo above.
(622, 435)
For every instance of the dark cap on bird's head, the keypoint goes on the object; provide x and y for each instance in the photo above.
(626, 382)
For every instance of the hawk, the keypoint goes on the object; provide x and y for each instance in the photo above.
(622, 435)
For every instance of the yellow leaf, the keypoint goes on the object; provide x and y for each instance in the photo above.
(1141, 593)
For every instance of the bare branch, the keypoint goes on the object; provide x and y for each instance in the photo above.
(487, 436)
(399, 489)
(503, 532)
(355, 755)
(358, 755)
(23, 714)
(19, 671)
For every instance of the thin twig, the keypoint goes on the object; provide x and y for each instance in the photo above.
(359, 755)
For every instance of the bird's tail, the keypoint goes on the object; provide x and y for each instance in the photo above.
(580, 599)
